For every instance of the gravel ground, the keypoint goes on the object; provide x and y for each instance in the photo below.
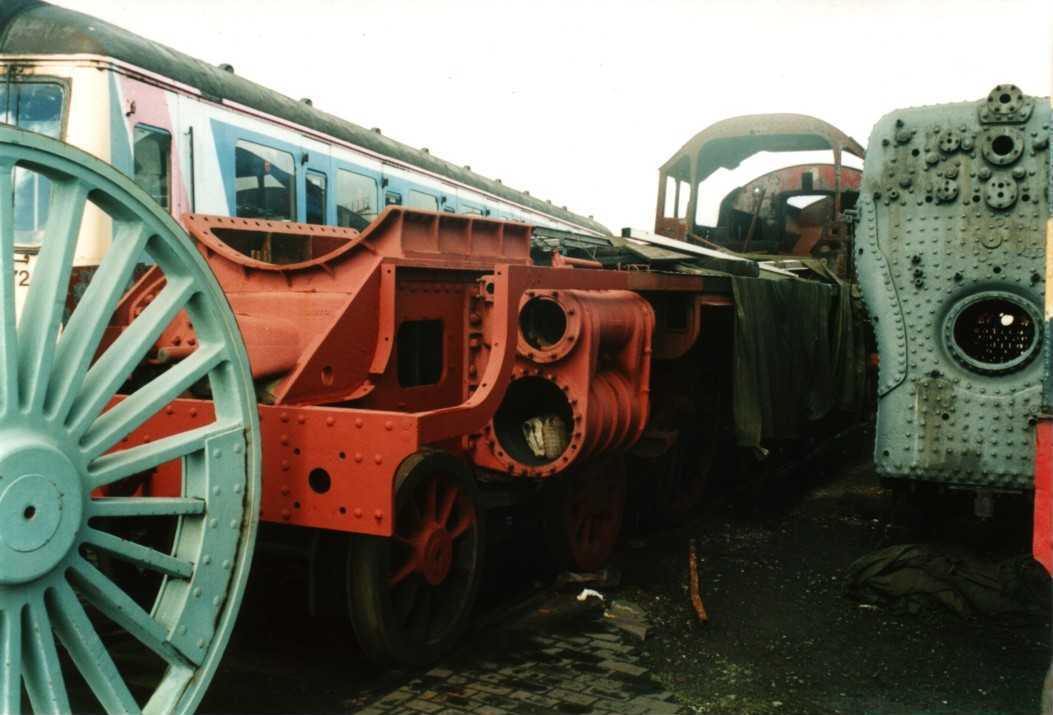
(783, 637)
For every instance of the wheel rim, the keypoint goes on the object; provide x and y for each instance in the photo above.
(593, 513)
(433, 556)
(65, 624)
(411, 594)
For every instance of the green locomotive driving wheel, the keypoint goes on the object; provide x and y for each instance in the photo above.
(75, 634)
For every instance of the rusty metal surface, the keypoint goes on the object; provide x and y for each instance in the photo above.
(730, 141)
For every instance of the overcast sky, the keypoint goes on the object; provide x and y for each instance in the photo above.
(580, 102)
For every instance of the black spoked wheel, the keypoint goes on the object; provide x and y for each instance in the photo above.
(683, 474)
(583, 514)
(411, 594)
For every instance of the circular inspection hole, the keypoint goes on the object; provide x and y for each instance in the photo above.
(1003, 145)
(995, 334)
(1004, 98)
(29, 512)
(319, 480)
(527, 399)
(343, 455)
(542, 322)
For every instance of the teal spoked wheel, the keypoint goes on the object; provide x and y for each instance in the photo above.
(114, 603)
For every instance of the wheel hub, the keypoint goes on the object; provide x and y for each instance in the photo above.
(41, 504)
(436, 556)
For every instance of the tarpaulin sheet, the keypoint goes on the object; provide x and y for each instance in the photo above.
(799, 355)
(910, 577)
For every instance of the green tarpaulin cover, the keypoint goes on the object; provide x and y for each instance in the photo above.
(799, 355)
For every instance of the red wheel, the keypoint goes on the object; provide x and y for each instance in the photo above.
(411, 594)
(584, 514)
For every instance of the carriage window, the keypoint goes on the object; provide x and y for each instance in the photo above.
(392, 198)
(473, 210)
(36, 106)
(316, 182)
(421, 200)
(264, 182)
(153, 150)
(356, 199)
(420, 352)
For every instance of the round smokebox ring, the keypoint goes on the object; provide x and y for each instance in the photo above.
(527, 398)
(993, 332)
(548, 328)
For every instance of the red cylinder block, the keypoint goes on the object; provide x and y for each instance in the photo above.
(580, 383)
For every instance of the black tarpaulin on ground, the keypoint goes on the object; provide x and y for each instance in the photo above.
(910, 577)
(799, 355)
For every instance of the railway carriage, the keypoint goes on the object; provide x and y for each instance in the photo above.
(199, 138)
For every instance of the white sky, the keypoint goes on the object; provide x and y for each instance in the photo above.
(580, 102)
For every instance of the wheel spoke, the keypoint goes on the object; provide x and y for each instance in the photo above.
(78, 635)
(42, 313)
(142, 556)
(463, 525)
(145, 402)
(449, 499)
(431, 500)
(145, 506)
(120, 608)
(403, 572)
(43, 675)
(11, 657)
(115, 466)
(115, 365)
(85, 328)
(8, 342)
